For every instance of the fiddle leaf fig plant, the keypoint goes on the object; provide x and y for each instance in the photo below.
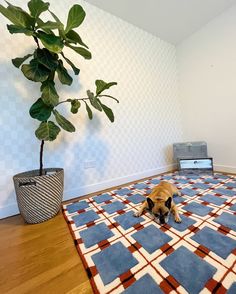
(47, 62)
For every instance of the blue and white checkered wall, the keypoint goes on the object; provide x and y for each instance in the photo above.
(147, 120)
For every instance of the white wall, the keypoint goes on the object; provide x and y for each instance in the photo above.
(207, 83)
(147, 121)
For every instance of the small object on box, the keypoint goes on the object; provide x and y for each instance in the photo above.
(193, 165)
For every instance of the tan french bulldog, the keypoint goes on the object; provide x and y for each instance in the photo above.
(160, 203)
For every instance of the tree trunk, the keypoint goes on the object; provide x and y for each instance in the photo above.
(41, 159)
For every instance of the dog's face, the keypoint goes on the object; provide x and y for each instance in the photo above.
(160, 209)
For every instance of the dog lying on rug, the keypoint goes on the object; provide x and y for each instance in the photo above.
(160, 203)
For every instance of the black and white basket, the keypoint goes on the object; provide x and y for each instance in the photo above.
(39, 197)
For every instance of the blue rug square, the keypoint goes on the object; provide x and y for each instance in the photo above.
(198, 208)
(186, 223)
(189, 192)
(113, 261)
(212, 181)
(193, 177)
(123, 192)
(137, 198)
(225, 192)
(155, 181)
(95, 234)
(182, 181)
(230, 184)
(128, 220)
(188, 269)
(233, 207)
(178, 199)
(140, 186)
(148, 191)
(145, 285)
(220, 176)
(201, 186)
(227, 220)
(85, 217)
(102, 198)
(151, 238)
(166, 178)
(114, 206)
(213, 199)
(215, 241)
(77, 206)
(232, 289)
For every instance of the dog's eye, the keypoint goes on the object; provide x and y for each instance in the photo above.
(157, 215)
(166, 213)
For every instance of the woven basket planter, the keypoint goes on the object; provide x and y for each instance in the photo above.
(39, 197)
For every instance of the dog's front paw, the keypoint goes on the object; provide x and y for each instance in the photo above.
(137, 213)
(178, 220)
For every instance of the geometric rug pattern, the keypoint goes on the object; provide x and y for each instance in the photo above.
(126, 254)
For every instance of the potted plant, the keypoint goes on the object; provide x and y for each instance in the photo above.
(39, 192)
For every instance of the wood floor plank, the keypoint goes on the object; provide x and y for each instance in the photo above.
(40, 258)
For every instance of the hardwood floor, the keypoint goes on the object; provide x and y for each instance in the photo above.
(40, 258)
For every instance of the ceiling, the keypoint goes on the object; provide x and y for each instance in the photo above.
(170, 20)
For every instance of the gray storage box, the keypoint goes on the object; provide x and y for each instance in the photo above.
(190, 150)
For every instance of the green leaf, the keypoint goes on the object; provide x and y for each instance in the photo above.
(63, 122)
(46, 58)
(89, 111)
(35, 71)
(63, 75)
(56, 19)
(17, 16)
(19, 60)
(49, 93)
(47, 131)
(41, 25)
(101, 86)
(13, 29)
(73, 37)
(51, 42)
(36, 7)
(108, 112)
(40, 111)
(75, 69)
(75, 105)
(94, 101)
(75, 17)
(49, 25)
(81, 51)
(60, 24)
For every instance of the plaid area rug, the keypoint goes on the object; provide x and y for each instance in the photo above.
(126, 254)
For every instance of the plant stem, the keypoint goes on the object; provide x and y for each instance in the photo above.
(41, 158)
(36, 41)
(82, 99)
(66, 101)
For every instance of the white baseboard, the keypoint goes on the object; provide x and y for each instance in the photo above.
(12, 209)
(225, 168)
(9, 210)
(70, 194)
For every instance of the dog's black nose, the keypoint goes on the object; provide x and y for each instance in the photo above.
(162, 221)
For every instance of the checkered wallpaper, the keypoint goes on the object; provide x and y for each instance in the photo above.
(147, 120)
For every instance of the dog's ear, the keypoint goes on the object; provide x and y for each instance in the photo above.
(150, 203)
(168, 202)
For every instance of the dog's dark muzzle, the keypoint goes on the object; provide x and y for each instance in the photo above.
(161, 218)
